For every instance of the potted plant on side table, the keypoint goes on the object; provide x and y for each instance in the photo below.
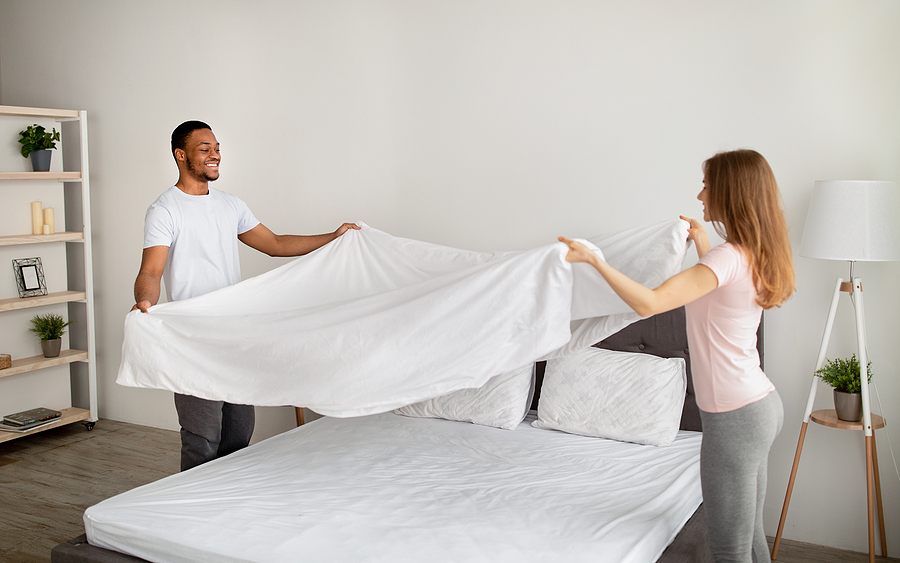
(49, 328)
(843, 375)
(38, 143)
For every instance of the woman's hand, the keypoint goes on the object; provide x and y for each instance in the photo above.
(697, 233)
(676, 291)
(578, 252)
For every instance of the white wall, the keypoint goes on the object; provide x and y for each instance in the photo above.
(493, 125)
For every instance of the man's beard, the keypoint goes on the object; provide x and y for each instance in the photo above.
(200, 172)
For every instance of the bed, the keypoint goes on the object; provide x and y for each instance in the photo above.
(390, 487)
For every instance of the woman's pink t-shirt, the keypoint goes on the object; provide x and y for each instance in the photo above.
(721, 328)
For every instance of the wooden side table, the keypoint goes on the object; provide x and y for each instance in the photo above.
(829, 418)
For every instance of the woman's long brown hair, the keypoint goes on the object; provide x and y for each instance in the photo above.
(745, 201)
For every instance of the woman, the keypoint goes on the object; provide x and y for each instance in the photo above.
(725, 294)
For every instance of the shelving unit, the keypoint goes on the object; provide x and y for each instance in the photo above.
(79, 293)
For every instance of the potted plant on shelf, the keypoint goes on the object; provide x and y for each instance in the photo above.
(843, 375)
(49, 328)
(38, 143)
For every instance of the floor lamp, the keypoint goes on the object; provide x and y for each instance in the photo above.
(856, 221)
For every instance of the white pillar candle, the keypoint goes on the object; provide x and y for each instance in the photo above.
(49, 221)
(37, 222)
(46, 229)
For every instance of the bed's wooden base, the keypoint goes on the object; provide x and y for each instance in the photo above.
(79, 550)
(691, 544)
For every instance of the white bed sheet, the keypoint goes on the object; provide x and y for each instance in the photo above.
(373, 322)
(387, 488)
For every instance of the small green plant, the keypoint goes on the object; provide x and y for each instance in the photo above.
(843, 374)
(36, 138)
(49, 326)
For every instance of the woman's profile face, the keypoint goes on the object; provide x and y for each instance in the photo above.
(703, 196)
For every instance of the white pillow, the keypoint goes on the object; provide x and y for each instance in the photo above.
(618, 395)
(502, 402)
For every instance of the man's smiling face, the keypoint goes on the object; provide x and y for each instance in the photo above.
(202, 155)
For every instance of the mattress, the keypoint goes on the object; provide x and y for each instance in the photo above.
(391, 488)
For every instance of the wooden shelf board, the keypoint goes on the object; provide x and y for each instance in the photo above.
(12, 240)
(40, 175)
(68, 416)
(828, 417)
(38, 112)
(41, 300)
(32, 363)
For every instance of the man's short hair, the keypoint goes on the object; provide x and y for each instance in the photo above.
(182, 132)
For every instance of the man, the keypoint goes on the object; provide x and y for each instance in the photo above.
(190, 240)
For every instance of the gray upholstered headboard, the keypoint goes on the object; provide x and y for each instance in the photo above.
(662, 335)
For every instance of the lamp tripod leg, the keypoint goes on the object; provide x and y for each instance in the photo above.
(879, 505)
(869, 495)
(810, 400)
(790, 490)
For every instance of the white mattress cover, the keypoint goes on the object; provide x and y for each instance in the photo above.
(396, 489)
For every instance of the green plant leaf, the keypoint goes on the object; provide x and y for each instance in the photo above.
(843, 374)
(49, 327)
(36, 138)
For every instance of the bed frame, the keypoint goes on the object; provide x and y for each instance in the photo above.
(662, 335)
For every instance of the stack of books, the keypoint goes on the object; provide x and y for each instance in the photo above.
(28, 420)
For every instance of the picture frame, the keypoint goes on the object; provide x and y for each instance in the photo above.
(30, 280)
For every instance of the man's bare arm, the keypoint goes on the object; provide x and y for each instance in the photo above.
(147, 284)
(267, 242)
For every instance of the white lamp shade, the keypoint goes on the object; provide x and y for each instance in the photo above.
(853, 220)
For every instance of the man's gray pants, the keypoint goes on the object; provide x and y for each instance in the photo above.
(211, 429)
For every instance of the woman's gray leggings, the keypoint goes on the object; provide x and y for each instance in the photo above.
(733, 464)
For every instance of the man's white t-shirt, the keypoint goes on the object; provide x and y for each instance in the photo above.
(201, 233)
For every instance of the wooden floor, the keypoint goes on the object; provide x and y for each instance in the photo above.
(797, 552)
(47, 481)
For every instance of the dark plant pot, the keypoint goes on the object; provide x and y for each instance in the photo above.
(848, 406)
(51, 347)
(40, 160)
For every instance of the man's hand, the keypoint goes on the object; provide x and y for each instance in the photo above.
(143, 306)
(344, 228)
